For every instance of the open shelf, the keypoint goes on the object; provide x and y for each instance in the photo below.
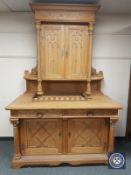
(29, 76)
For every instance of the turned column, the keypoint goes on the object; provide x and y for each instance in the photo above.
(90, 31)
(39, 86)
(111, 133)
(17, 154)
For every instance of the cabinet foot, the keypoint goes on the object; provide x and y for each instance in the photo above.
(16, 165)
(51, 160)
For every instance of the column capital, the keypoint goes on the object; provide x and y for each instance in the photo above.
(14, 122)
(38, 25)
(91, 27)
(113, 121)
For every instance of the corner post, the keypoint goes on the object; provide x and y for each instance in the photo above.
(17, 154)
(39, 86)
(90, 30)
(111, 133)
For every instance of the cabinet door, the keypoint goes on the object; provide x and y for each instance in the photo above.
(87, 136)
(76, 52)
(52, 52)
(41, 136)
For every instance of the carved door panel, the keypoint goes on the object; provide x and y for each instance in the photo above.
(52, 52)
(41, 136)
(88, 136)
(76, 51)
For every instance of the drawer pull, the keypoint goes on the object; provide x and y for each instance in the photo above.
(90, 114)
(40, 115)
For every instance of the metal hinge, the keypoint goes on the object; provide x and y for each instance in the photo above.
(22, 146)
(105, 146)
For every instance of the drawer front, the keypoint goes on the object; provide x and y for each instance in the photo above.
(83, 113)
(40, 114)
(67, 113)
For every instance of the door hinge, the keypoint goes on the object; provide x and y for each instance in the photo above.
(22, 146)
(105, 146)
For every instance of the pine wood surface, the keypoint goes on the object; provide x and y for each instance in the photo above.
(64, 42)
(54, 160)
(97, 101)
(52, 132)
(64, 52)
(64, 12)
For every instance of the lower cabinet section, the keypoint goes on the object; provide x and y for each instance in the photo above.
(63, 136)
(67, 139)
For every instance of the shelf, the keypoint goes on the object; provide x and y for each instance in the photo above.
(29, 76)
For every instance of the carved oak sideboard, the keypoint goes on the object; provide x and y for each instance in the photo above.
(63, 117)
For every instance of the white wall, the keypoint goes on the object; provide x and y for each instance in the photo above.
(111, 53)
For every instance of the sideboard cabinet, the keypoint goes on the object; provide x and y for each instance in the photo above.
(63, 117)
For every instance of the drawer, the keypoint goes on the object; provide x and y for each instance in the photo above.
(40, 114)
(88, 113)
(80, 113)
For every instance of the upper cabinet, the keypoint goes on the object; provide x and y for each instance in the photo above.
(64, 42)
(64, 52)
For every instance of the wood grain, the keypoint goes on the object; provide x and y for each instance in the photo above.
(51, 128)
(54, 160)
(97, 101)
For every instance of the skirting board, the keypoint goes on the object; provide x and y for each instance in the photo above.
(11, 138)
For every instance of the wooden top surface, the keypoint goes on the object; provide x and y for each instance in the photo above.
(64, 6)
(98, 101)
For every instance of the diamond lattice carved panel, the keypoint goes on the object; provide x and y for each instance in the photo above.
(43, 136)
(87, 135)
